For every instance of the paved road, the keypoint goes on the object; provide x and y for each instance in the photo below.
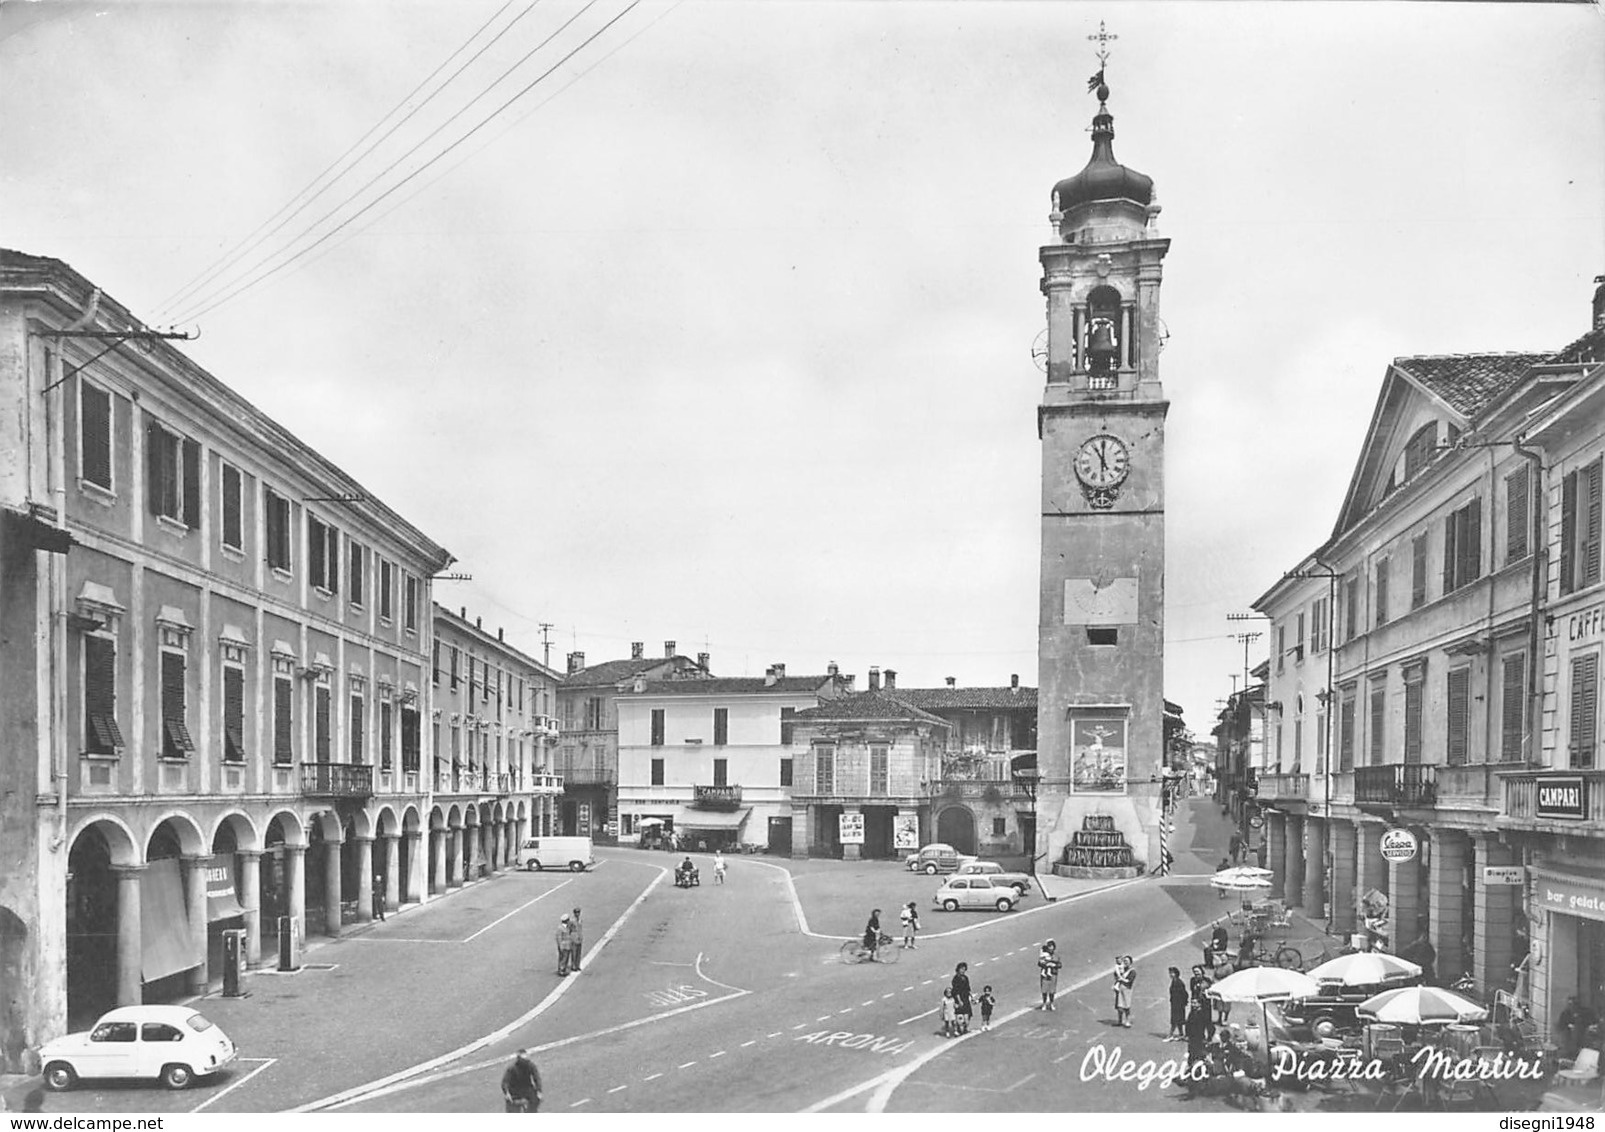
(720, 998)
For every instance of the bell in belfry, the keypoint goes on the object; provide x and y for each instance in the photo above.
(1102, 349)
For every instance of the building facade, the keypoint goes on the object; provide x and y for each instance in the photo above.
(1432, 672)
(494, 737)
(588, 750)
(712, 758)
(214, 646)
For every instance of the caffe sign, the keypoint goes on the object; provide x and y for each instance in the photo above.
(1398, 845)
(1561, 797)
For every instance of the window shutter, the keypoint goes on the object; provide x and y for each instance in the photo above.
(192, 484)
(1518, 495)
(153, 468)
(359, 726)
(1568, 533)
(283, 701)
(316, 558)
(94, 435)
(1379, 712)
(1351, 608)
(1382, 592)
(332, 538)
(234, 714)
(1585, 711)
(1471, 541)
(101, 735)
(176, 741)
(320, 725)
(1591, 526)
(386, 740)
(1459, 716)
(1418, 571)
(1346, 734)
(1412, 720)
(1450, 524)
(232, 535)
(354, 568)
(1513, 713)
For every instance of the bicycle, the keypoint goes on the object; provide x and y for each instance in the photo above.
(854, 951)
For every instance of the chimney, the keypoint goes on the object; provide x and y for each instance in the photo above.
(952, 682)
(1014, 681)
(668, 650)
(780, 671)
(769, 677)
(704, 661)
(637, 650)
(499, 635)
(874, 678)
(576, 661)
(891, 679)
(1599, 302)
(832, 670)
(463, 613)
(479, 622)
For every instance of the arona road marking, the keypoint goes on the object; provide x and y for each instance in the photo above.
(846, 1039)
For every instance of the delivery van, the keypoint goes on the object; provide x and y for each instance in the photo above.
(572, 853)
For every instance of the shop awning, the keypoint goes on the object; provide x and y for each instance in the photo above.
(713, 819)
(166, 944)
(221, 902)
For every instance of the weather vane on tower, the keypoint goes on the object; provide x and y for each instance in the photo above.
(1103, 39)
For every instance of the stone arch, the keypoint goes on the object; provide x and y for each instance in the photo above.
(496, 812)
(956, 826)
(181, 833)
(454, 817)
(246, 838)
(437, 819)
(471, 816)
(290, 829)
(385, 823)
(361, 823)
(410, 822)
(99, 847)
(125, 849)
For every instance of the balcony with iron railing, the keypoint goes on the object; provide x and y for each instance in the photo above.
(1471, 787)
(542, 783)
(1275, 786)
(336, 780)
(1523, 800)
(1399, 784)
(716, 797)
(580, 775)
(976, 768)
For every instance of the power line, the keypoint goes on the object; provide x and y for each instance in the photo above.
(459, 141)
(240, 250)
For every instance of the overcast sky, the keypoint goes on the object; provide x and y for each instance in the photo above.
(722, 332)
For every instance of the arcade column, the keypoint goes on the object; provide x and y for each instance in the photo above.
(364, 879)
(392, 853)
(331, 886)
(852, 852)
(1293, 879)
(437, 850)
(1493, 925)
(1276, 848)
(1446, 900)
(295, 883)
(1315, 867)
(251, 900)
(1370, 869)
(1345, 843)
(130, 974)
(195, 905)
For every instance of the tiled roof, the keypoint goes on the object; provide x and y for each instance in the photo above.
(613, 671)
(866, 706)
(735, 685)
(1468, 382)
(990, 699)
(1589, 348)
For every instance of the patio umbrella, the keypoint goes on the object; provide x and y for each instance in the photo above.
(1237, 880)
(1421, 1006)
(1263, 985)
(1365, 968)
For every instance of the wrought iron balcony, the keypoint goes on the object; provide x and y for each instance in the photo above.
(546, 783)
(1273, 786)
(716, 797)
(336, 780)
(1401, 784)
(976, 768)
(590, 775)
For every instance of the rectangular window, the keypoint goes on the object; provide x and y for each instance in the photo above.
(878, 777)
(277, 512)
(721, 772)
(1298, 745)
(1462, 546)
(1000, 827)
(785, 772)
(387, 591)
(323, 555)
(825, 770)
(176, 741)
(1585, 712)
(1580, 528)
(320, 725)
(1320, 742)
(1414, 687)
(283, 723)
(593, 713)
(721, 726)
(94, 435)
(1318, 626)
(411, 740)
(1281, 648)
(434, 676)
(233, 714)
(387, 722)
(411, 606)
(173, 486)
(1459, 721)
(359, 728)
(788, 725)
(657, 772)
(657, 727)
(101, 736)
(1380, 590)
(357, 568)
(233, 508)
(1518, 518)
(1512, 707)
(1418, 571)
(1351, 608)
(1379, 714)
(1346, 732)
(1420, 449)
(1298, 638)
(456, 675)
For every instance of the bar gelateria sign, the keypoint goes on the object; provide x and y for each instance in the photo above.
(1573, 897)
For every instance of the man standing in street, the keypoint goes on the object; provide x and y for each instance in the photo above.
(564, 937)
(521, 1085)
(378, 897)
(576, 941)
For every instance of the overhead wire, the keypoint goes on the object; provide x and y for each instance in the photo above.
(255, 238)
(270, 272)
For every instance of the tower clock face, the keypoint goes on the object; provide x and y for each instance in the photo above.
(1102, 461)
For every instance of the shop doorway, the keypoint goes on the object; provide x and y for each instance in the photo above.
(956, 826)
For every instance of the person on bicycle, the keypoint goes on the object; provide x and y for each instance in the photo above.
(521, 1084)
(872, 934)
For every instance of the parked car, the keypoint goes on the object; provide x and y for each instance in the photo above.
(936, 858)
(172, 1043)
(976, 892)
(1021, 882)
(572, 853)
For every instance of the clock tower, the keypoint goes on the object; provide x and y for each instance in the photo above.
(1101, 632)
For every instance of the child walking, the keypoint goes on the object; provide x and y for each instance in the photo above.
(950, 1014)
(911, 924)
(987, 1001)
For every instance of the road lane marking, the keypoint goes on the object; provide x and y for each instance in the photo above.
(909, 987)
(844, 1010)
(711, 1056)
(583, 1100)
(888, 994)
(800, 1025)
(687, 1065)
(776, 1034)
(917, 1017)
(618, 1088)
(346, 1096)
(885, 1084)
(654, 1077)
(868, 1002)
(754, 1042)
(516, 911)
(266, 1062)
(927, 982)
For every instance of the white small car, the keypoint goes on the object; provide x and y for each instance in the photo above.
(976, 892)
(1021, 882)
(172, 1043)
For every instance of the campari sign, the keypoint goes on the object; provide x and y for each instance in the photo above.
(1561, 796)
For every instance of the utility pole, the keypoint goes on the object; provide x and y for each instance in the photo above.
(546, 643)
